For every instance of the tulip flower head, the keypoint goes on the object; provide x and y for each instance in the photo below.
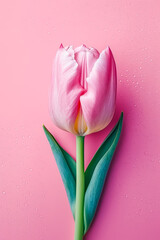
(83, 92)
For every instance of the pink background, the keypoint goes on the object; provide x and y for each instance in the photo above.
(33, 202)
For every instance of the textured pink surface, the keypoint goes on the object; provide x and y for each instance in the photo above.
(33, 202)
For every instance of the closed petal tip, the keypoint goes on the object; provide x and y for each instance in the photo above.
(61, 46)
(70, 50)
(94, 51)
(81, 48)
(108, 51)
(83, 45)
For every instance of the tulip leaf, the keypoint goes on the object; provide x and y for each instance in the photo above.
(67, 168)
(96, 172)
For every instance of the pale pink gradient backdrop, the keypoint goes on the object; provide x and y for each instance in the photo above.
(33, 202)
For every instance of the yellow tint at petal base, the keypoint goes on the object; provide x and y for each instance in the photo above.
(80, 125)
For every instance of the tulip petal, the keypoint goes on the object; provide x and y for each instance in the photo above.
(86, 58)
(66, 90)
(98, 103)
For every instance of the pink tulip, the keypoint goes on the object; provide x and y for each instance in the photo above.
(83, 93)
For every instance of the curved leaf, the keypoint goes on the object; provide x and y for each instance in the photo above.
(96, 172)
(67, 168)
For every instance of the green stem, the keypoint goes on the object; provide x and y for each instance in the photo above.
(80, 186)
